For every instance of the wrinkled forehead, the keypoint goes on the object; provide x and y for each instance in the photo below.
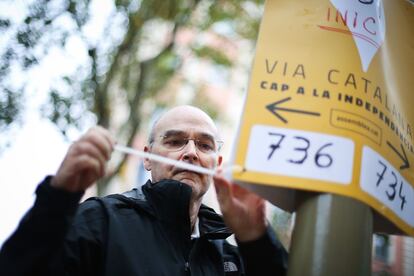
(186, 121)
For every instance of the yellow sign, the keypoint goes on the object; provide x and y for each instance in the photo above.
(329, 106)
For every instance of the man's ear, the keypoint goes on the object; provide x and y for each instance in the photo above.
(147, 162)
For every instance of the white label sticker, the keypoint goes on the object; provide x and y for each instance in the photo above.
(300, 153)
(382, 181)
(366, 21)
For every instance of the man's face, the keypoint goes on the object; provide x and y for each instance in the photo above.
(173, 138)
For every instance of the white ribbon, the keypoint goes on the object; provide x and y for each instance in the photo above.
(175, 163)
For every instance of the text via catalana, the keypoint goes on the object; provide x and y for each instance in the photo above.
(361, 92)
(299, 153)
(383, 182)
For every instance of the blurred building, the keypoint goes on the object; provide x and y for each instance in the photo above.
(393, 255)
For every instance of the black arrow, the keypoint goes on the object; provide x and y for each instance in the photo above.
(403, 156)
(274, 108)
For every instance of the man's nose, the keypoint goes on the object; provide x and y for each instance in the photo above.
(190, 151)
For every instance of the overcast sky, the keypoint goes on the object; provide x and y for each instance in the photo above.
(38, 147)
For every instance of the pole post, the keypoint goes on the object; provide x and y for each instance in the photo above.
(332, 236)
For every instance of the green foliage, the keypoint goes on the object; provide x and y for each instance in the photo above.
(79, 10)
(60, 113)
(162, 71)
(38, 33)
(4, 23)
(215, 55)
(117, 65)
(9, 107)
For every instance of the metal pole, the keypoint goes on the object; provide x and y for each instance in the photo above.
(332, 236)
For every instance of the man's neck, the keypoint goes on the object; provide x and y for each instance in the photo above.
(194, 208)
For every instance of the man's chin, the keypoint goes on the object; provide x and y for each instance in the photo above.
(190, 178)
(196, 187)
(190, 182)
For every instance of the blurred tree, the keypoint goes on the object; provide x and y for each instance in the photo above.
(133, 60)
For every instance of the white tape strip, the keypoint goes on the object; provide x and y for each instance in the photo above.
(155, 157)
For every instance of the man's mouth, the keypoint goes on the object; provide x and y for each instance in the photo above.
(178, 171)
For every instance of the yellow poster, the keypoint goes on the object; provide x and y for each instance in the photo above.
(330, 103)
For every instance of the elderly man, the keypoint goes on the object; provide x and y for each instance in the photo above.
(160, 229)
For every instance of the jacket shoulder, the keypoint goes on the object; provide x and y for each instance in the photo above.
(97, 208)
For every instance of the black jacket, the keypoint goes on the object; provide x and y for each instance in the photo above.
(137, 233)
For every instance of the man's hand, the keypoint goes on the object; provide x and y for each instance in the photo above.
(244, 212)
(85, 161)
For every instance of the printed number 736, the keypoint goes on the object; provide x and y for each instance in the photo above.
(321, 159)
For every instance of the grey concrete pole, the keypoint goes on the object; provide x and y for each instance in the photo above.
(332, 237)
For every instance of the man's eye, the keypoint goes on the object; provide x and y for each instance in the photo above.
(206, 146)
(175, 142)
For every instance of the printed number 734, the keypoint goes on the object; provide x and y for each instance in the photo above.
(391, 190)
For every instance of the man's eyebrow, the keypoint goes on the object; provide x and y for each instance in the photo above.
(206, 135)
(173, 132)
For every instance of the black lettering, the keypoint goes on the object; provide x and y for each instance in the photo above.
(351, 81)
(274, 147)
(300, 71)
(285, 68)
(386, 102)
(366, 81)
(348, 99)
(305, 150)
(392, 185)
(387, 120)
(268, 69)
(366, 2)
(377, 94)
(319, 155)
(381, 175)
(330, 76)
(401, 196)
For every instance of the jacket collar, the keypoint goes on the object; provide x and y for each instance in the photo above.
(169, 200)
(211, 224)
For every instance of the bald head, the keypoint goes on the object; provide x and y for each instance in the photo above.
(184, 113)
(170, 137)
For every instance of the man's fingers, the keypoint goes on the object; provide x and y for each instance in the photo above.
(85, 161)
(90, 164)
(85, 148)
(241, 192)
(107, 135)
(223, 190)
(100, 139)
